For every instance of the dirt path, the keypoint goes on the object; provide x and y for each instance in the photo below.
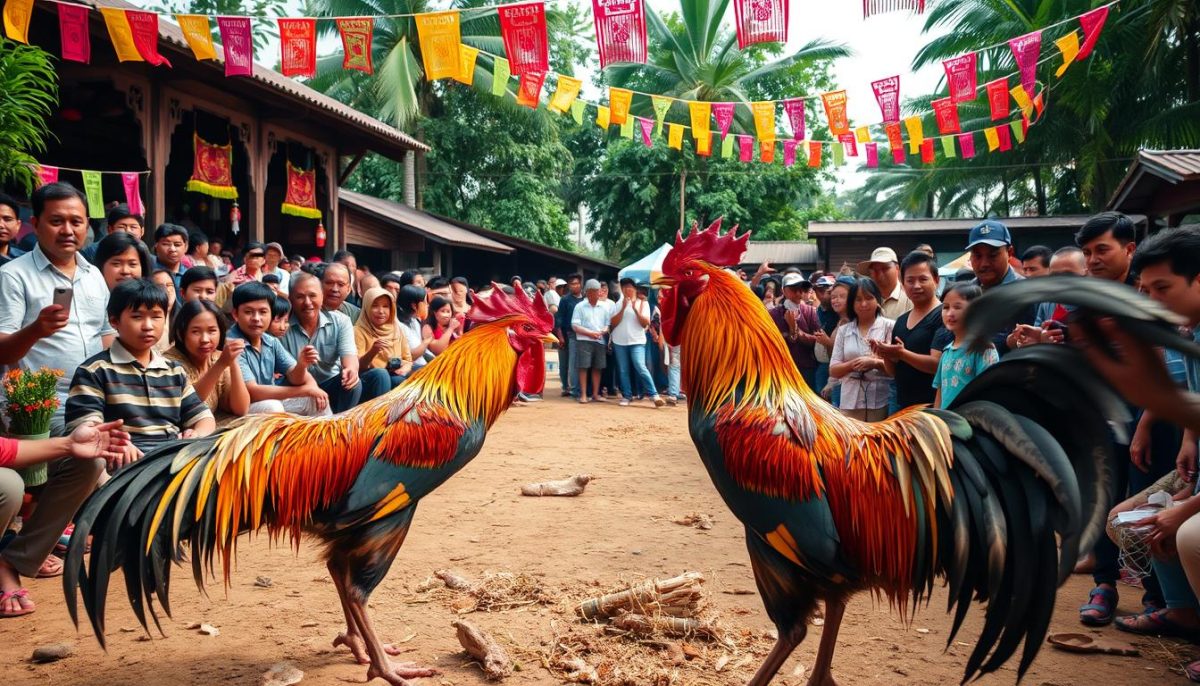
(620, 530)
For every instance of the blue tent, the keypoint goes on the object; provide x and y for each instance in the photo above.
(648, 267)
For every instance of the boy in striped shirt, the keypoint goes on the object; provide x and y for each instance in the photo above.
(131, 381)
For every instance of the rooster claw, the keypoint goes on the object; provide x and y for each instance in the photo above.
(358, 647)
(399, 674)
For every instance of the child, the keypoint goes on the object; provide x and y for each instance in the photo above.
(198, 283)
(264, 356)
(281, 313)
(116, 383)
(958, 365)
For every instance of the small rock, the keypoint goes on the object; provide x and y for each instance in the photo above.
(922, 631)
(635, 552)
(690, 651)
(209, 630)
(309, 625)
(193, 625)
(263, 582)
(282, 674)
(817, 621)
(128, 630)
(52, 653)
(799, 670)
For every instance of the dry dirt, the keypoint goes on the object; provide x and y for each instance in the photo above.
(620, 530)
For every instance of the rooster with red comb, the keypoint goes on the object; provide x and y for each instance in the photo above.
(997, 494)
(352, 481)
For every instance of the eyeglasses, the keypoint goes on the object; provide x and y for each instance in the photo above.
(255, 254)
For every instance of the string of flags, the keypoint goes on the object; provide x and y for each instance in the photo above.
(93, 184)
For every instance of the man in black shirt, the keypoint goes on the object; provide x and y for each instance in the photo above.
(566, 334)
(919, 336)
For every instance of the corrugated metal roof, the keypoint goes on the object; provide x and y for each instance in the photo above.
(781, 252)
(429, 226)
(890, 226)
(1181, 164)
(173, 36)
(1151, 170)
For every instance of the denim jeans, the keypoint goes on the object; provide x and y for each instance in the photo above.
(631, 366)
(822, 377)
(376, 382)
(573, 364)
(673, 374)
(564, 365)
(1176, 591)
(341, 399)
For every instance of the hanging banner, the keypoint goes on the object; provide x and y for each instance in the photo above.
(946, 114)
(17, 14)
(356, 44)
(704, 145)
(1003, 134)
(897, 155)
(577, 108)
(835, 110)
(927, 151)
(212, 170)
(760, 21)
(500, 75)
(701, 114)
(627, 128)
(143, 26)
(620, 31)
(1092, 24)
(662, 105)
(198, 34)
(524, 29)
(764, 120)
(1068, 45)
(675, 136)
(1022, 99)
(872, 150)
(1025, 51)
(997, 92)
(871, 7)
(848, 143)
(789, 152)
(839, 154)
(73, 31)
(47, 174)
(238, 45)
(120, 34)
(916, 133)
(1018, 130)
(766, 151)
(993, 139)
(131, 181)
(565, 93)
(618, 101)
(966, 143)
(1039, 104)
(301, 197)
(298, 47)
(794, 109)
(745, 148)
(93, 188)
(529, 90)
(962, 75)
(863, 134)
(467, 56)
(887, 94)
(602, 117)
(723, 113)
(440, 37)
(727, 147)
(893, 135)
(814, 154)
(647, 126)
(948, 147)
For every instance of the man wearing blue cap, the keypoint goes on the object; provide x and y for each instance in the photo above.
(990, 246)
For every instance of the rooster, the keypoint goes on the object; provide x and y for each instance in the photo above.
(351, 481)
(997, 494)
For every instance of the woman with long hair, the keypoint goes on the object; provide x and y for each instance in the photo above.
(443, 326)
(209, 359)
(771, 296)
(412, 309)
(120, 257)
(864, 380)
(380, 342)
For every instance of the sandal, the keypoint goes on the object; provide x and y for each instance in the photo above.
(1156, 623)
(51, 567)
(1192, 671)
(1101, 600)
(22, 597)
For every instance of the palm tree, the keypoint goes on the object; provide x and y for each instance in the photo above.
(30, 87)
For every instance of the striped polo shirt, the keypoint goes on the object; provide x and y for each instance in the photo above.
(156, 401)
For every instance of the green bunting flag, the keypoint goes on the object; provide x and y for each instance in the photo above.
(661, 105)
(948, 146)
(577, 111)
(500, 74)
(1018, 130)
(727, 146)
(839, 154)
(93, 188)
(627, 128)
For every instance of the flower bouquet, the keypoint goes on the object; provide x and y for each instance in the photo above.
(32, 400)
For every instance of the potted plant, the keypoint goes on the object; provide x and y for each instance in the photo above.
(32, 401)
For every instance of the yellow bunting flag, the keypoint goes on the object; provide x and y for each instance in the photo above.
(1068, 45)
(701, 113)
(704, 144)
(564, 94)
(16, 19)
(198, 33)
(121, 34)
(661, 105)
(916, 134)
(1022, 99)
(603, 117)
(675, 136)
(863, 134)
(993, 138)
(438, 33)
(466, 64)
(764, 120)
(618, 102)
(627, 128)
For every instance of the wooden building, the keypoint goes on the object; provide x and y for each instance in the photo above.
(1162, 184)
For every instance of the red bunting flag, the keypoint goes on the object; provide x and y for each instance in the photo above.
(529, 90)
(898, 155)
(893, 135)
(356, 43)
(1005, 135)
(848, 144)
(300, 199)
(997, 92)
(887, 94)
(47, 174)
(835, 110)
(872, 155)
(745, 148)
(73, 30)
(789, 152)
(1093, 24)
(723, 113)
(524, 29)
(814, 154)
(1025, 51)
(966, 141)
(647, 129)
(620, 31)
(1039, 105)
(946, 114)
(238, 45)
(144, 28)
(962, 75)
(880, 6)
(133, 192)
(927, 151)
(760, 21)
(298, 47)
(794, 109)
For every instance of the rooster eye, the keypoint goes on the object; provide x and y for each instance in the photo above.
(528, 328)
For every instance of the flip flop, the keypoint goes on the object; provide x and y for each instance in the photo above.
(1084, 643)
(1192, 672)
(1160, 625)
(50, 574)
(21, 595)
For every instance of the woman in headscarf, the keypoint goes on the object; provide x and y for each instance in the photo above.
(379, 341)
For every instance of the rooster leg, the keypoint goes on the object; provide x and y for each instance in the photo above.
(381, 666)
(822, 674)
(778, 655)
(352, 637)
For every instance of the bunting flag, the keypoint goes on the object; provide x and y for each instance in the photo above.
(602, 118)
(47, 174)
(764, 120)
(529, 91)
(74, 34)
(1039, 104)
(916, 133)
(927, 151)
(440, 36)
(1025, 51)
(835, 110)
(131, 181)
(839, 154)
(863, 134)
(198, 34)
(619, 100)
(1068, 45)
(467, 56)
(523, 27)
(620, 31)
(760, 21)
(880, 6)
(872, 150)
(723, 113)
(675, 136)
(298, 47)
(745, 148)
(1022, 99)
(120, 34)
(945, 112)
(238, 45)
(661, 105)
(727, 147)
(848, 143)
(1018, 129)
(143, 26)
(887, 94)
(993, 139)
(627, 128)
(565, 93)
(794, 109)
(966, 142)
(701, 115)
(789, 152)
(93, 188)
(1003, 133)
(814, 154)
(948, 147)
(893, 135)
(17, 14)
(212, 169)
(500, 75)
(647, 127)
(1092, 24)
(898, 155)
(301, 197)
(577, 108)
(962, 75)
(356, 45)
(704, 144)
(997, 92)
(766, 151)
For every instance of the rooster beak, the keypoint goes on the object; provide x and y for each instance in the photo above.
(661, 281)
(548, 338)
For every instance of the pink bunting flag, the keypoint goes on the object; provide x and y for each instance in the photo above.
(898, 155)
(1004, 133)
(143, 26)
(745, 148)
(73, 30)
(872, 155)
(966, 142)
(1025, 50)
(962, 75)
(723, 113)
(620, 31)
(887, 94)
(133, 192)
(997, 92)
(789, 152)
(647, 129)
(849, 144)
(946, 114)
(47, 174)
(760, 21)
(1093, 24)
(794, 108)
(238, 45)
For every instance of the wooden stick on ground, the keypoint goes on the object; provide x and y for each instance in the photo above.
(491, 655)
(679, 596)
(670, 626)
(564, 487)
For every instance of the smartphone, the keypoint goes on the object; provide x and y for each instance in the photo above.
(62, 296)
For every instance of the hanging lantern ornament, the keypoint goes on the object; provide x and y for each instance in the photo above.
(235, 216)
(320, 234)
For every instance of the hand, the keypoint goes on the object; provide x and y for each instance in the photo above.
(404, 369)
(764, 268)
(888, 351)
(453, 325)
(92, 441)
(1139, 450)
(127, 454)
(51, 319)
(1134, 368)
(380, 346)
(1024, 335)
(790, 317)
(308, 356)
(864, 364)
(804, 337)
(232, 350)
(1185, 461)
(188, 433)
(349, 378)
(1165, 525)
(320, 397)
(1051, 333)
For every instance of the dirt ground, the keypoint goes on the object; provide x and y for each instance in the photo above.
(621, 530)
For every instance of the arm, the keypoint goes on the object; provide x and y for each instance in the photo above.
(619, 314)
(577, 324)
(195, 418)
(439, 345)
(104, 441)
(86, 400)
(239, 396)
(419, 349)
(347, 352)
(297, 375)
(15, 345)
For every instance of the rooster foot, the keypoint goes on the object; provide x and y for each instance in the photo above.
(398, 674)
(358, 647)
(826, 681)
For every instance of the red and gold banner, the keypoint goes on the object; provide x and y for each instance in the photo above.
(794, 109)
(143, 26)
(198, 34)
(212, 170)
(997, 92)
(1092, 24)
(529, 91)
(73, 31)
(887, 94)
(962, 77)
(945, 111)
(301, 198)
(619, 100)
(789, 152)
(440, 38)
(133, 192)
(298, 47)
(17, 14)
(1025, 51)
(620, 31)
(356, 44)
(1004, 134)
(764, 120)
(238, 45)
(523, 27)
(872, 155)
(723, 113)
(47, 174)
(760, 21)
(835, 110)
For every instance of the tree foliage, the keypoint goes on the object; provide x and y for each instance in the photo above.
(263, 31)
(30, 92)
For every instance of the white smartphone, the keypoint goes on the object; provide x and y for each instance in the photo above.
(63, 296)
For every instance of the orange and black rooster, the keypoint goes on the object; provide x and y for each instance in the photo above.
(984, 494)
(351, 481)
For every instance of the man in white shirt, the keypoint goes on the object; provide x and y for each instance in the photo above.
(631, 316)
(590, 321)
(884, 270)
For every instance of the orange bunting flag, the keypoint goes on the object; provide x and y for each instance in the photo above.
(440, 38)
(17, 14)
(1039, 104)
(701, 114)
(297, 47)
(618, 101)
(565, 93)
(603, 117)
(467, 57)
(895, 142)
(529, 91)
(1068, 45)
(764, 120)
(916, 134)
(198, 33)
(835, 111)
(814, 154)
(120, 34)
(356, 45)
(766, 151)
(993, 138)
(704, 144)
(1022, 99)
(675, 136)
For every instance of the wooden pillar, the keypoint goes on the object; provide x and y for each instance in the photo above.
(162, 125)
(258, 164)
(437, 259)
(330, 162)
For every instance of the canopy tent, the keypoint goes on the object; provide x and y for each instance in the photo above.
(952, 267)
(648, 267)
